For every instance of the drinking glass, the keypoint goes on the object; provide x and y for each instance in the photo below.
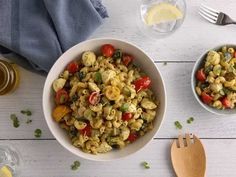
(10, 158)
(162, 29)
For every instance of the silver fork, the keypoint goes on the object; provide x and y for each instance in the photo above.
(215, 16)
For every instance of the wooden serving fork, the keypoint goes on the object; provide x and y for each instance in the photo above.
(188, 156)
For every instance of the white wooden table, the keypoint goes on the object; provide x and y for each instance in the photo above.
(44, 157)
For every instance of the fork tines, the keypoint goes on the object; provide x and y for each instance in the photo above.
(208, 13)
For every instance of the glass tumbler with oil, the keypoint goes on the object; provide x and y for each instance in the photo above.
(9, 77)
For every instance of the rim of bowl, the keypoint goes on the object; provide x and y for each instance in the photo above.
(61, 142)
(198, 62)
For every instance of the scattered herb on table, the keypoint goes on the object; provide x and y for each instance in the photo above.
(15, 120)
(190, 120)
(178, 125)
(37, 133)
(75, 165)
(28, 121)
(145, 165)
(26, 112)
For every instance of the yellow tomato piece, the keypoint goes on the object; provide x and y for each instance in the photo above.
(5, 172)
(60, 111)
(112, 92)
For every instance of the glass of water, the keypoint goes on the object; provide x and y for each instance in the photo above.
(156, 18)
(10, 160)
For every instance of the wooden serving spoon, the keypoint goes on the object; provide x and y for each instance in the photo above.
(188, 157)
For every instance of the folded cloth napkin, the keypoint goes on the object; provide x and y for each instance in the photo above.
(37, 32)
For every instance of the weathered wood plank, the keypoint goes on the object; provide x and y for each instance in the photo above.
(193, 38)
(48, 158)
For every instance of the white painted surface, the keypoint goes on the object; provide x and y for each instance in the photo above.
(47, 158)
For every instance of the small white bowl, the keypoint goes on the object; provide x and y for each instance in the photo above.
(75, 52)
(197, 65)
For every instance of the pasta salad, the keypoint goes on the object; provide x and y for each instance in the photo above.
(104, 101)
(216, 80)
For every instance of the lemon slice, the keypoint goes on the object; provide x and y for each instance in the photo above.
(163, 12)
(5, 172)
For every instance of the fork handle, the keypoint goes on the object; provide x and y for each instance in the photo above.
(229, 21)
(232, 22)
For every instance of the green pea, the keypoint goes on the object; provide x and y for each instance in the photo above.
(124, 107)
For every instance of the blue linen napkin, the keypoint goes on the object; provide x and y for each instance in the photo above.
(37, 32)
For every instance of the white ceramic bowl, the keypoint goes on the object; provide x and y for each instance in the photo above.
(75, 52)
(197, 65)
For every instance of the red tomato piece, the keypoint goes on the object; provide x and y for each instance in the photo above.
(87, 130)
(127, 116)
(107, 50)
(73, 67)
(226, 103)
(61, 96)
(142, 83)
(127, 59)
(201, 76)
(206, 98)
(132, 137)
(94, 98)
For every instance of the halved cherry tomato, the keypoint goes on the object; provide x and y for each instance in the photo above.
(107, 50)
(94, 98)
(126, 59)
(87, 130)
(142, 83)
(61, 96)
(132, 137)
(127, 116)
(201, 75)
(226, 103)
(206, 98)
(73, 67)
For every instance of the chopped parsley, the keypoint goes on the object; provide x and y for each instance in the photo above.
(81, 75)
(26, 112)
(178, 125)
(145, 165)
(28, 121)
(75, 165)
(37, 133)
(15, 120)
(74, 98)
(118, 54)
(190, 120)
